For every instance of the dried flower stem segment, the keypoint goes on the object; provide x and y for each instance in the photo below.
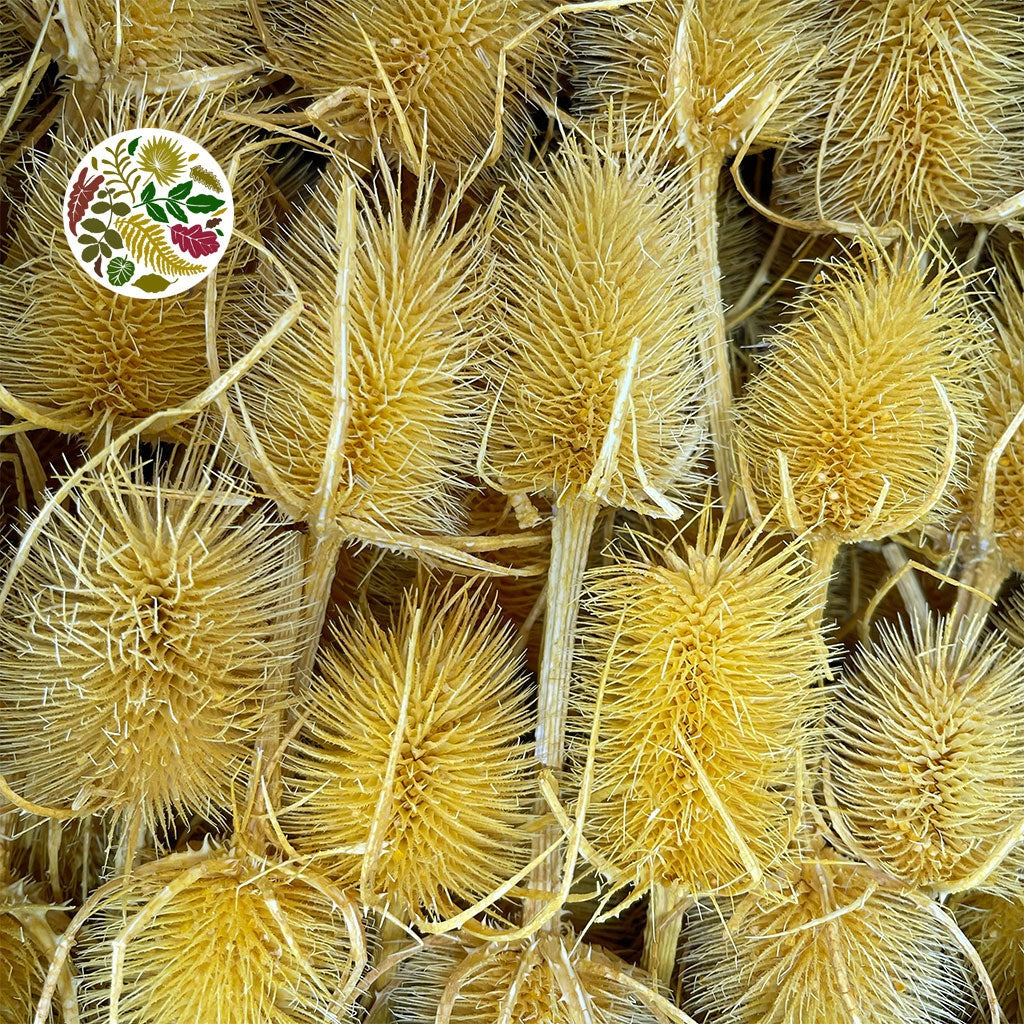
(665, 911)
(410, 778)
(858, 424)
(709, 661)
(828, 945)
(925, 775)
(147, 639)
(220, 935)
(925, 119)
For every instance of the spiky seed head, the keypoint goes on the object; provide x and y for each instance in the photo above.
(710, 657)
(924, 751)
(413, 319)
(22, 963)
(549, 977)
(925, 125)
(852, 395)
(247, 941)
(147, 637)
(417, 74)
(702, 72)
(779, 958)
(994, 924)
(452, 816)
(596, 257)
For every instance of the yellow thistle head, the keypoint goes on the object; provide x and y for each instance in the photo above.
(220, 936)
(22, 968)
(827, 945)
(866, 403)
(409, 311)
(146, 639)
(994, 924)
(709, 656)
(702, 71)
(923, 757)
(595, 364)
(925, 122)
(551, 980)
(418, 75)
(411, 761)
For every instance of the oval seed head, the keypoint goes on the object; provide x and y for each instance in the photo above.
(853, 397)
(926, 119)
(146, 639)
(551, 980)
(247, 941)
(418, 75)
(409, 317)
(596, 364)
(828, 946)
(709, 656)
(994, 924)
(924, 752)
(701, 72)
(411, 762)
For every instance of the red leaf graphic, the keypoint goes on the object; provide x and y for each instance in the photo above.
(83, 192)
(194, 240)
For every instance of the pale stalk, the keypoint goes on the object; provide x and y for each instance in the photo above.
(661, 934)
(570, 540)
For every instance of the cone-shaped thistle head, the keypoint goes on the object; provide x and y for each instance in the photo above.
(22, 962)
(709, 655)
(924, 753)
(702, 71)
(926, 121)
(994, 924)
(858, 420)
(220, 936)
(412, 753)
(828, 946)
(595, 364)
(418, 75)
(145, 640)
(552, 980)
(400, 326)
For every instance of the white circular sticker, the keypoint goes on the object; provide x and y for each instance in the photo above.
(147, 213)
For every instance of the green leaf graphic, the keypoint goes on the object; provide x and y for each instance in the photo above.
(203, 203)
(152, 283)
(90, 252)
(148, 192)
(133, 145)
(102, 207)
(88, 240)
(175, 210)
(119, 209)
(94, 225)
(120, 271)
(157, 213)
(180, 191)
(113, 239)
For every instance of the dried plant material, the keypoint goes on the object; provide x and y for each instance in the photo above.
(705, 661)
(859, 421)
(219, 935)
(926, 123)
(22, 969)
(828, 947)
(925, 764)
(409, 777)
(994, 924)
(147, 638)
(420, 77)
(551, 980)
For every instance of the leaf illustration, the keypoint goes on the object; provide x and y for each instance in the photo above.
(120, 209)
(213, 222)
(206, 178)
(175, 210)
(157, 213)
(194, 240)
(120, 271)
(203, 203)
(97, 267)
(148, 192)
(133, 145)
(151, 283)
(83, 192)
(147, 245)
(180, 191)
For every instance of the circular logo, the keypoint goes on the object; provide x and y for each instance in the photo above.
(147, 213)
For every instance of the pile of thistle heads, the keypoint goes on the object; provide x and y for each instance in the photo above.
(561, 566)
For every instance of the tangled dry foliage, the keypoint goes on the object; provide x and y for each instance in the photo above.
(561, 566)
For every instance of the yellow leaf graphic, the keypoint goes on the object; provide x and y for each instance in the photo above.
(145, 241)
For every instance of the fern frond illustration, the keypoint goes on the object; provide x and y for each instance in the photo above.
(145, 241)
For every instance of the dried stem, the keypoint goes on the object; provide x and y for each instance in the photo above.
(661, 936)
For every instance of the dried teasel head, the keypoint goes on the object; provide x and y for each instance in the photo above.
(701, 659)
(829, 944)
(145, 640)
(925, 124)
(704, 72)
(596, 366)
(994, 924)
(376, 379)
(420, 77)
(409, 776)
(858, 421)
(22, 965)
(551, 980)
(924, 756)
(219, 935)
